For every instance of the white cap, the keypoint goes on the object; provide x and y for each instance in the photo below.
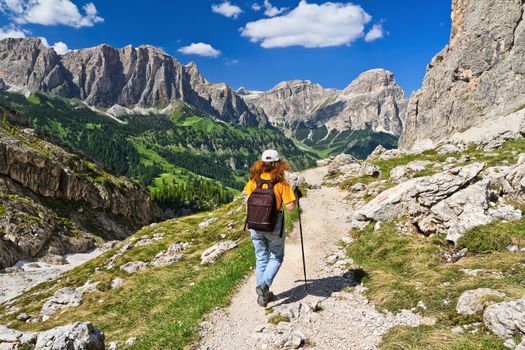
(270, 155)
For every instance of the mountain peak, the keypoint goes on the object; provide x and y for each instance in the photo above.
(371, 80)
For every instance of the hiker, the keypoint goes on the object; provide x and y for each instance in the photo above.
(268, 191)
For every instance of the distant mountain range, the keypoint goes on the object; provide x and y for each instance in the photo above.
(145, 79)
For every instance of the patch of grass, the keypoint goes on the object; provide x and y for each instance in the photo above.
(438, 338)
(3, 210)
(487, 239)
(403, 270)
(278, 318)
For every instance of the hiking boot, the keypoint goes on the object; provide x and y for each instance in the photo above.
(262, 294)
(271, 297)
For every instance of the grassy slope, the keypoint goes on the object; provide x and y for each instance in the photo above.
(403, 270)
(162, 306)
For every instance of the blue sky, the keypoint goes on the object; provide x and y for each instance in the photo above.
(252, 49)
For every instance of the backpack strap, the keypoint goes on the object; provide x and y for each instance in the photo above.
(282, 225)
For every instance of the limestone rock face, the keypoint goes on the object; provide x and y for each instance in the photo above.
(53, 201)
(105, 76)
(372, 101)
(479, 75)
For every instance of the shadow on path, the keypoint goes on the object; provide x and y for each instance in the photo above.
(322, 287)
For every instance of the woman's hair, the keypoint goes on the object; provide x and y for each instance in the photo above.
(276, 170)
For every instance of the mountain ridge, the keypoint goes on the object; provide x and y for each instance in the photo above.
(104, 76)
(371, 101)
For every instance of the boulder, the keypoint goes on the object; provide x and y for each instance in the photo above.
(169, 256)
(134, 266)
(376, 153)
(212, 253)
(398, 173)
(506, 319)
(62, 299)
(450, 148)
(339, 162)
(381, 153)
(475, 301)
(81, 336)
(418, 165)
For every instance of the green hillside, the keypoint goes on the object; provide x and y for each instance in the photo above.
(325, 142)
(188, 161)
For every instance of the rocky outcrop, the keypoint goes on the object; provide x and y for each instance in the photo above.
(478, 76)
(54, 201)
(451, 201)
(372, 101)
(210, 255)
(71, 337)
(105, 76)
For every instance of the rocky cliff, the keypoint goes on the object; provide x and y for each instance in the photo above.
(479, 75)
(53, 201)
(105, 76)
(372, 101)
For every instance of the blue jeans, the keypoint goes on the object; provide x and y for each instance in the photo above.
(269, 252)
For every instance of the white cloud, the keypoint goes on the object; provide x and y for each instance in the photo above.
(60, 47)
(269, 9)
(231, 62)
(14, 5)
(376, 32)
(11, 32)
(200, 49)
(51, 12)
(227, 9)
(311, 26)
(272, 11)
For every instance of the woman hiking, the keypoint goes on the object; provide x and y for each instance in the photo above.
(268, 191)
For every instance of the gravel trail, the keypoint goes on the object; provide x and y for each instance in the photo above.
(326, 318)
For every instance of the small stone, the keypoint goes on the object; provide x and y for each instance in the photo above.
(358, 187)
(207, 223)
(134, 266)
(377, 226)
(22, 317)
(113, 345)
(512, 249)
(131, 341)
(116, 283)
(421, 305)
(457, 330)
(347, 239)
(510, 343)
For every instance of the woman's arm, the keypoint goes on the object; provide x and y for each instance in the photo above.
(290, 206)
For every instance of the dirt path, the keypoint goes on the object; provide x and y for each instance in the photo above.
(326, 318)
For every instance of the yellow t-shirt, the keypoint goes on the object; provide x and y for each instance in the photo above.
(283, 191)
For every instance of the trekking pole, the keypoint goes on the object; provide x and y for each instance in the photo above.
(298, 194)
